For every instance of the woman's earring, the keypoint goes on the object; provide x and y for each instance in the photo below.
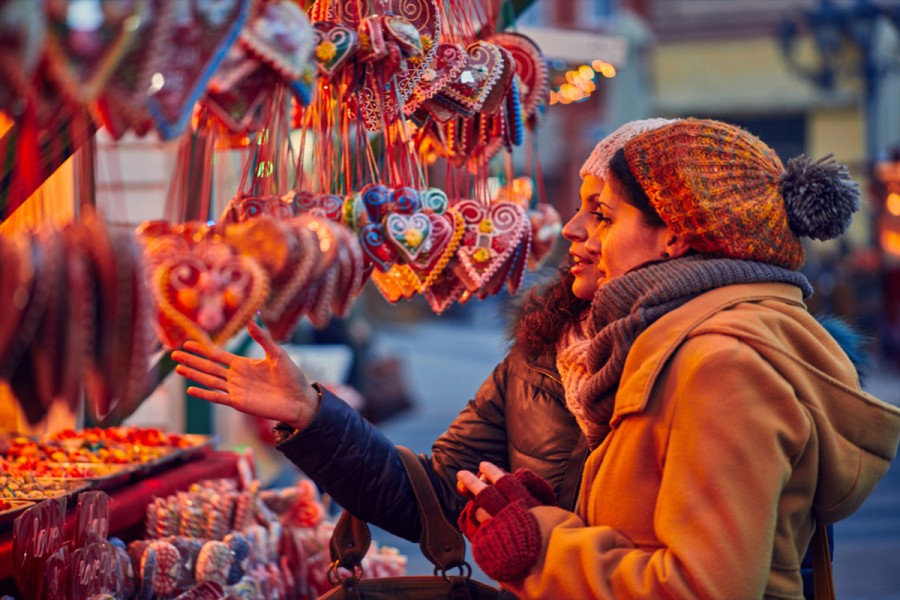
(664, 255)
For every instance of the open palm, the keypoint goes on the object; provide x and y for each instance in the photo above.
(272, 387)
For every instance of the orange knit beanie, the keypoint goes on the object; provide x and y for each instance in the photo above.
(725, 192)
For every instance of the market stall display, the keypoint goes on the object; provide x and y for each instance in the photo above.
(340, 112)
(214, 539)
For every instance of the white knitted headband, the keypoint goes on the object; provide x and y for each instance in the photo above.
(597, 164)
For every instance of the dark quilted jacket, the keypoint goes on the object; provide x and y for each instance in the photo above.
(517, 419)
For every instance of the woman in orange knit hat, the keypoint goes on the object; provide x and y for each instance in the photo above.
(725, 424)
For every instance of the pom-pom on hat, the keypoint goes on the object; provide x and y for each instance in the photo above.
(597, 164)
(725, 192)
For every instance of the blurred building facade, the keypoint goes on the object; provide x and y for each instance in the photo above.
(760, 64)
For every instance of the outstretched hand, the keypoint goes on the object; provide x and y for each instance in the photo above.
(272, 387)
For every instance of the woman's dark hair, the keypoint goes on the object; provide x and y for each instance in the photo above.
(546, 313)
(631, 190)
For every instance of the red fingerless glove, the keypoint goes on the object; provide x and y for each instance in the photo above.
(508, 545)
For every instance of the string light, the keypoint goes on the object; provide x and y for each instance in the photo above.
(578, 84)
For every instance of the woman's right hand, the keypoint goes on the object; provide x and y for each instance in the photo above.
(272, 387)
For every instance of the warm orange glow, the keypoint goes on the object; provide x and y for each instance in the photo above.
(5, 123)
(598, 64)
(608, 71)
(586, 72)
(53, 203)
(893, 204)
(890, 242)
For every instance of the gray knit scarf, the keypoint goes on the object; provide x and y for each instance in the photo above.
(591, 358)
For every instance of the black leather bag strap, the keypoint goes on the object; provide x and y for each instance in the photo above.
(441, 542)
(350, 541)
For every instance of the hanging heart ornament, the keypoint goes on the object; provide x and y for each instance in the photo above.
(207, 295)
(491, 237)
(335, 44)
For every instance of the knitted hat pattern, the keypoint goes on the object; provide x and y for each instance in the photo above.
(726, 193)
(597, 164)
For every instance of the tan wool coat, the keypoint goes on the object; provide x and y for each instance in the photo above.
(738, 422)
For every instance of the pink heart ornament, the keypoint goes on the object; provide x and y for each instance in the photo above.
(448, 61)
(491, 237)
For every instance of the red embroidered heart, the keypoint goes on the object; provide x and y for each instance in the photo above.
(511, 272)
(491, 237)
(351, 270)
(446, 232)
(242, 208)
(189, 50)
(424, 15)
(334, 46)
(299, 272)
(496, 96)
(371, 35)
(476, 80)
(384, 95)
(309, 283)
(445, 290)
(448, 61)
(238, 103)
(530, 67)
(329, 206)
(282, 37)
(207, 298)
(123, 102)
(114, 377)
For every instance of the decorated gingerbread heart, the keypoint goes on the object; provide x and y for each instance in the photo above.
(329, 206)
(280, 35)
(376, 248)
(187, 51)
(239, 105)
(445, 290)
(476, 79)
(448, 61)
(214, 562)
(206, 297)
(377, 200)
(491, 237)
(446, 232)
(409, 234)
(434, 200)
(335, 44)
(530, 67)
(82, 58)
(299, 273)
